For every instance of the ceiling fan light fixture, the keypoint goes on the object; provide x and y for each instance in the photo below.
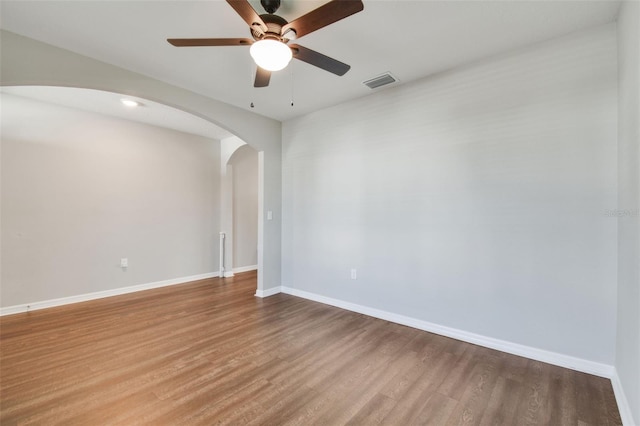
(271, 55)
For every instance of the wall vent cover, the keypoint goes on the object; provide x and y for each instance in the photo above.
(380, 80)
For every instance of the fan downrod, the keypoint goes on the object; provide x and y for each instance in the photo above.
(271, 6)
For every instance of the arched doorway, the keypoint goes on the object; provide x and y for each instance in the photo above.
(116, 175)
(29, 62)
(240, 207)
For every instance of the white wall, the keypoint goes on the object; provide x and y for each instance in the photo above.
(628, 339)
(474, 199)
(244, 164)
(82, 190)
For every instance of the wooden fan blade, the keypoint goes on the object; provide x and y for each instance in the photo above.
(189, 42)
(248, 13)
(262, 78)
(325, 15)
(319, 60)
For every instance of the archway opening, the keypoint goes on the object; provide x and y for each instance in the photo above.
(122, 198)
(240, 206)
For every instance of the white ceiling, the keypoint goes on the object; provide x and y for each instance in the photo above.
(108, 103)
(411, 39)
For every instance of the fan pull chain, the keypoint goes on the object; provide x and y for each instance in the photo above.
(291, 66)
(251, 77)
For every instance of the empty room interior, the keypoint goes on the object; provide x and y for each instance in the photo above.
(320, 212)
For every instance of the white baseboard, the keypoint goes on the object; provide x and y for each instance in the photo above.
(245, 269)
(228, 274)
(268, 292)
(623, 403)
(9, 310)
(578, 364)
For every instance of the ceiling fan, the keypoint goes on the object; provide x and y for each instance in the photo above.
(272, 33)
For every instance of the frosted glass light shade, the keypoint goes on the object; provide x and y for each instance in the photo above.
(271, 55)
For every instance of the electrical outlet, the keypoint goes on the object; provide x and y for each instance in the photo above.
(124, 262)
(354, 274)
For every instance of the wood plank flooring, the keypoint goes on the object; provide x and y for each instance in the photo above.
(209, 352)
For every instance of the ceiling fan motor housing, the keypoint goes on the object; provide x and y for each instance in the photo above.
(274, 25)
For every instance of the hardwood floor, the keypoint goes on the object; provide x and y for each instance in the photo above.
(209, 352)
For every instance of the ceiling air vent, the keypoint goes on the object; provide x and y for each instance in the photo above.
(380, 80)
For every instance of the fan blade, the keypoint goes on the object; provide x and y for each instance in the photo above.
(248, 13)
(187, 42)
(325, 15)
(262, 78)
(319, 60)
